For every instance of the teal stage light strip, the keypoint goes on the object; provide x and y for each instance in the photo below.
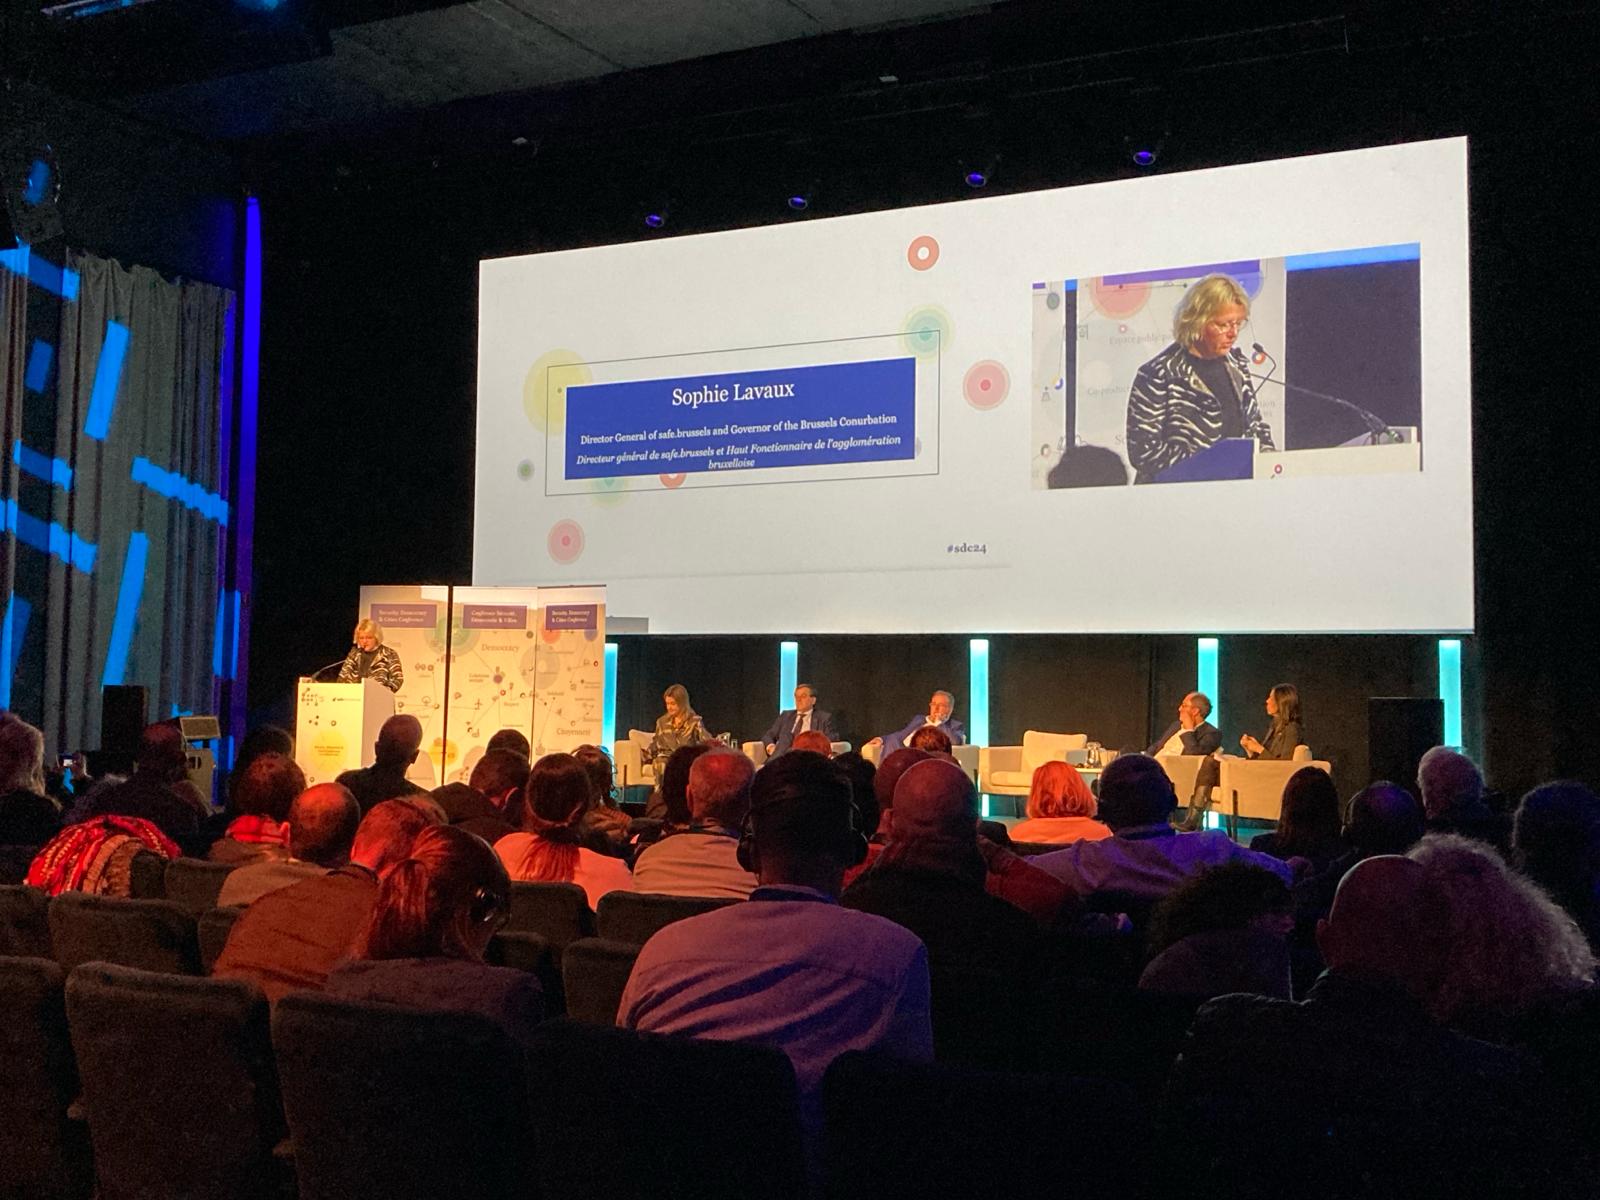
(39, 360)
(185, 491)
(12, 634)
(978, 686)
(788, 673)
(126, 620)
(41, 272)
(50, 538)
(608, 701)
(42, 466)
(218, 629)
(1450, 688)
(1208, 656)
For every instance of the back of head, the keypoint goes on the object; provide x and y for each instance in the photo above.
(1087, 466)
(322, 824)
(497, 772)
(387, 832)
(263, 739)
(161, 750)
(1384, 818)
(1227, 896)
(512, 740)
(1134, 790)
(1510, 946)
(21, 756)
(598, 764)
(935, 822)
(1059, 791)
(813, 740)
(1309, 817)
(1557, 843)
(863, 782)
(674, 783)
(444, 899)
(555, 798)
(399, 740)
(268, 787)
(719, 788)
(1388, 925)
(1448, 778)
(802, 818)
(889, 772)
(930, 738)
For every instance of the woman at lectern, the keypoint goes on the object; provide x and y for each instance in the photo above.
(1198, 390)
(369, 658)
(679, 726)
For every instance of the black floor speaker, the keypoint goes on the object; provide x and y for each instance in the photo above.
(1400, 730)
(123, 716)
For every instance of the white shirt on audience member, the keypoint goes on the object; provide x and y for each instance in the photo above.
(693, 864)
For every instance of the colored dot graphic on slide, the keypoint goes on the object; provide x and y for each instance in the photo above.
(673, 481)
(986, 384)
(1118, 299)
(525, 470)
(922, 253)
(927, 331)
(609, 491)
(565, 542)
(544, 391)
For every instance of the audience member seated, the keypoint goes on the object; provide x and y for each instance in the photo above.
(424, 942)
(1453, 798)
(1513, 950)
(322, 826)
(492, 803)
(1308, 822)
(399, 742)
(290, 939)
(158, 791)
(1224, 930)
(669, 803)
(984, 955)
(96, 855)
(1147, 858)
(863, 777)
(605, 826)
(1358, 1090)
(512, 740)
(1061, 808)
(814, 741)
(263, 739)
(888, 775)
(1556, 843)
(548, 848)
(932, 739)
(703, 860)
(790, 968)
(260, 797)
(28, 817)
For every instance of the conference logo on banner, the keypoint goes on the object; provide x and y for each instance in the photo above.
(413, 619)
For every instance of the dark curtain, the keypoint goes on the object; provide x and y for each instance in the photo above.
(144, 485)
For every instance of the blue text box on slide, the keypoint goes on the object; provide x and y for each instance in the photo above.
(744, 420)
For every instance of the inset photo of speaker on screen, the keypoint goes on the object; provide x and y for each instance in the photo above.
(1255, 369)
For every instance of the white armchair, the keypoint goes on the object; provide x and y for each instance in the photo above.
(1253, 787)
(631, 759)
(966, 757)
(1182, 770)
(1008, 770)
(756, 752)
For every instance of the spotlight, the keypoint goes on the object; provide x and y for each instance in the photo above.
(977, 171)
(799, 201)
(655, 218)
(1144, 150)
(977, 179)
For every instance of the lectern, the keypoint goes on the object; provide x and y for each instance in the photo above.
(336, 725)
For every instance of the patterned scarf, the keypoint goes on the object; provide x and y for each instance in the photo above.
(257, 830)
(97, 856)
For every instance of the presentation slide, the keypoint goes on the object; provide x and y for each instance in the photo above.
(949, 418)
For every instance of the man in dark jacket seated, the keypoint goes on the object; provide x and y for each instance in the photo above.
(1191, 733)
(1357, 1090)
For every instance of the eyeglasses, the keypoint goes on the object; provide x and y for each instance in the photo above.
(1229, 326)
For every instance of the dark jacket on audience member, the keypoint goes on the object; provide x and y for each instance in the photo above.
(1357, 1091)
(175, 809)
(375, 784)
(984, 955)
(1476, 820)
(28, 819)
(510, 998)
(290, 939)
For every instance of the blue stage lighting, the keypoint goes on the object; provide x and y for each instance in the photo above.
(799, 201)
(977, 179)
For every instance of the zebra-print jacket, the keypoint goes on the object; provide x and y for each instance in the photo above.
(1172, 414)
(386, 668)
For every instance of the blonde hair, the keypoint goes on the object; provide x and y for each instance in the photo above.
(1203, 301)
(1508, 946)
(1059, 791)
(368, 625)
(21, 756)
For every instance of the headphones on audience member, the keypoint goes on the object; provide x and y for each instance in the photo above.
(852, 844)
(716, 829)
(487, 906)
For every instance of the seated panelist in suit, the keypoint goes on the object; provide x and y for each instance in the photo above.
(1191, 733)
(804, 716)
(941, 706)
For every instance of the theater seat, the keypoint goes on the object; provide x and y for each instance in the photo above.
(557, 912)
(1008, 770)
(404, 1105)
(152, 935)
(43, 1152)
(194, 883)
(213, 929)
(178, 1083)
(595, 971)
(635, 916)
(24, 922)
